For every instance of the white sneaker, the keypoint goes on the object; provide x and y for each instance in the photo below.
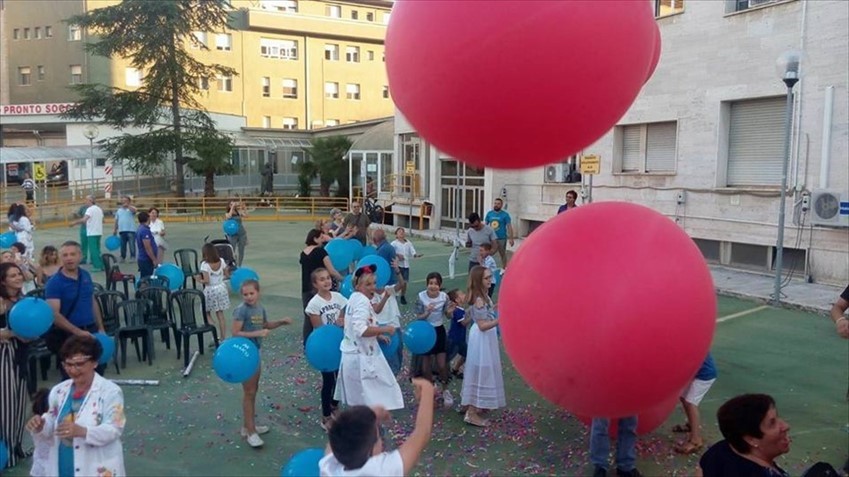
(259, 430)
(447, 399)
(255, 441)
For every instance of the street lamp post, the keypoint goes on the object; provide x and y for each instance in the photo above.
(788, 70)
(91, 132)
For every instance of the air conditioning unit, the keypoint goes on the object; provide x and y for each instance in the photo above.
(556, 173)
(830, 208)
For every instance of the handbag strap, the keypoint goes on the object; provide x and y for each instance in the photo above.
(77, 297)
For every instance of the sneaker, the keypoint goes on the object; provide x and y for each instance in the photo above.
(259, 430)
(255, 441)
(600, 472)
(628, 473)
(447, 399)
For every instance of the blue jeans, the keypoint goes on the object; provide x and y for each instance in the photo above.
(626, 442)
(396, 360)
(128, 240)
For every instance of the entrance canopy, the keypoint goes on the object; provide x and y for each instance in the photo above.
(13, 155)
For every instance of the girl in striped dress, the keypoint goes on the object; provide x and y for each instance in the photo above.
(13, 385)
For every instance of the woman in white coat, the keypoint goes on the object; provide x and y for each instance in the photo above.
(364, 375)
(85, 419)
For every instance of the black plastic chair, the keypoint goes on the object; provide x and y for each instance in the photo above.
(158, 318)
(37, 352)
(98, 287)
(133, 315)
(114, 274)
(108, 302)
(188, 311)
(187, 260)
(154, 281)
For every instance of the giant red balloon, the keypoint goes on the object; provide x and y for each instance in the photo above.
(608, 309)
(515, 84)
(655, 59)
(647, 421)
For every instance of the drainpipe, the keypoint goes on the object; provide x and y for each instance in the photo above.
(825, 154)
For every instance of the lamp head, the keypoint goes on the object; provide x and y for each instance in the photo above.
(788, 67)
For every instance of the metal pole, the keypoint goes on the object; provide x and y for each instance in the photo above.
(590, 192)
(779, 247)
(91, 152)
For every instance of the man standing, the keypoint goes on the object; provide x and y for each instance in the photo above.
(70, 293)
(626, 447)
(358, 221)
(571, 197)
(125, 227)
(477, 234)
(147, 247)
(93, 220)
(29, 188)
(499, 221)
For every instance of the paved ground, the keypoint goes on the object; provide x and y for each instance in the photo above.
(189, 426)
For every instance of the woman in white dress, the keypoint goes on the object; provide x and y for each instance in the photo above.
(157, 228)
(214, 271)
(364, 375)
(483, 383)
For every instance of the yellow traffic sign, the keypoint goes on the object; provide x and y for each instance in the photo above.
(590, 164)
(39, 173)
(410, 167)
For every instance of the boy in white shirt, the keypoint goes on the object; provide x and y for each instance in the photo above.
(405, 253)
(488, 261)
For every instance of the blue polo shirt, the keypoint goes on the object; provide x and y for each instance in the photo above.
(498, 221)
(708, 369)
(386, 251)
(126, 219)
(143, 234)
(65, 289)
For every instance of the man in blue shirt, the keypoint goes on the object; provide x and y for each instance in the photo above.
(147, 246)
(571, 197)
(499, 221)
(125, 226)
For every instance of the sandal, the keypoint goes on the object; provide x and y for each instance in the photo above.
(476, 421)
(687, 448)
(682, 428)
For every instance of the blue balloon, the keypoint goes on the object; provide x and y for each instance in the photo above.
(384, 273)
(356, 248)
(420, 337)
(173, 273)
(231, 227)
(236, 360)
(30, 318)
(4, 455)
(341, 254)
(108, 345)
(113, 242)
(322, 348)
(368, 250)
(240, 275)
(346, 288)
(391, 348)
(7, 239)
(303, 464)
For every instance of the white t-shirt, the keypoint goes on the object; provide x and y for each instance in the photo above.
(94, 224)
(391, 313)
(216, 277)
(327, 310)
(439, 303)
(404, 251)
(387, 464)
(156, 228)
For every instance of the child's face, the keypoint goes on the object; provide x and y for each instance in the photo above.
(367, 286)
(400, 234)
(250, 295)
(484, 253)
(433, 286)
(323, 282)
(460, 298)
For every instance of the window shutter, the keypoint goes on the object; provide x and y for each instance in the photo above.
(631, 148)
(660, 147)
(756, 142)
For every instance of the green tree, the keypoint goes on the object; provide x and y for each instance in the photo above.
(154, 36)
(329, 164)
(212, 153)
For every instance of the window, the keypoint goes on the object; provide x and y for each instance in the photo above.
(200, 38)
(386, 18)
(290, 123)
(369, 16)
(24, 76)
(133, 77)
(290, 88)
(290, 6)
(331, 52)
(48, 32)
(26, 33)
(41, 71)
(16, 34)
(355, 15)
(352, 91)
(203, 84)
(331, 90)
(266, 122)
(663, 8)
(76, 74)
(223, 41)
(225, 83)
(352, 54)
(732, 6)
(334, 11)
(370, 55)
(280, 49)
(331, 122)
(74, 33)
(755, 142)
(37, 33)
(386, 92)
(646, 148)
(266, 87)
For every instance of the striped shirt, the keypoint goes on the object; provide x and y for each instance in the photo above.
(28, 184)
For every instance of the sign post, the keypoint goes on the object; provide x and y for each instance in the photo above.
(590, 166)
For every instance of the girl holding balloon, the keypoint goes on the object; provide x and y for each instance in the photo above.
(214, 271)
(327, 307)
(13, 385)
(483, 383)
(432, 305)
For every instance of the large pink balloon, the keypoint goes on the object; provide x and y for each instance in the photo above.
(607, 310)
(655, 59)
(514, 84)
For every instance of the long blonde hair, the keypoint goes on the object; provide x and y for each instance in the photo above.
(476, 287)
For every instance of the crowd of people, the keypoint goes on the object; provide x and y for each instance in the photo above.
(77, 425)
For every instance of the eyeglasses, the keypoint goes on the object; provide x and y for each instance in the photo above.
(78, 363)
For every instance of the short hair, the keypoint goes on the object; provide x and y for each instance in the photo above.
(474, 217)
(152, 209)
(432, 276)
(250, 282)
(741, 416)
(572, 193)
(486, 246)
(71, 243)
(452, 294)
(144, 217)
(20, 247)
(498, 199)
(399, 229)
(312, 235)
(353, 436)
(86, 345)
(334, 211)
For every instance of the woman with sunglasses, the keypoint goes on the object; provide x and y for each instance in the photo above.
(13, 383)
(85, 418)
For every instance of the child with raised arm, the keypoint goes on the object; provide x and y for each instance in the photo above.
(356, 449)
(251, 321)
